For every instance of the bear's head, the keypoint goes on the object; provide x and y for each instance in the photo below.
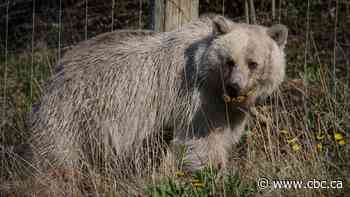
(244, 61)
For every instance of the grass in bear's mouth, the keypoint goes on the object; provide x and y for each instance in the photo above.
(284, 141)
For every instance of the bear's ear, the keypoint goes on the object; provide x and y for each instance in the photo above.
(221, 25)
(278, 33)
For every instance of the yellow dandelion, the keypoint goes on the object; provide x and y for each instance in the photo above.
(240, 99)
(284, 131)
(179, 174)
(296, 147)
(198, 185)
(342, 142)
(292, 140)
(338, 136)
(319, 146)
(227, 99)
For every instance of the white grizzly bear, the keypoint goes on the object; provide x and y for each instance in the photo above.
(112, 99)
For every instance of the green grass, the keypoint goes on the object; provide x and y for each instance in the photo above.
(206, 182)
(25, 77)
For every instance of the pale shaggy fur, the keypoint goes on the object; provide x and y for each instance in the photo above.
(111, 99)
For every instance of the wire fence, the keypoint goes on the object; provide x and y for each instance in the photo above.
(72, 21)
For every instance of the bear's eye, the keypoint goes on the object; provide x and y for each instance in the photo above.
(230, 63)
(252, 65)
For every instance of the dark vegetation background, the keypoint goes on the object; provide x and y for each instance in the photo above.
(126, 15)
(76, 25)
(324, 16)
(318, 62)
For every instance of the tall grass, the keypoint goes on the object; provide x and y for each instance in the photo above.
(23, 89)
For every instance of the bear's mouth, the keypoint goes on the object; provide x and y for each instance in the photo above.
(236, 97)
(232, 91)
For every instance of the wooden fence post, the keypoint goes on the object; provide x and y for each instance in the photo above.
(171, 14)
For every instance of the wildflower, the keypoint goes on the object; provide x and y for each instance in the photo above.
(179, 174)
(198, 184)
(342, 142)
(338, 136)
(296, 147)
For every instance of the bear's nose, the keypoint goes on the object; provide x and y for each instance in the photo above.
(233, 89)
